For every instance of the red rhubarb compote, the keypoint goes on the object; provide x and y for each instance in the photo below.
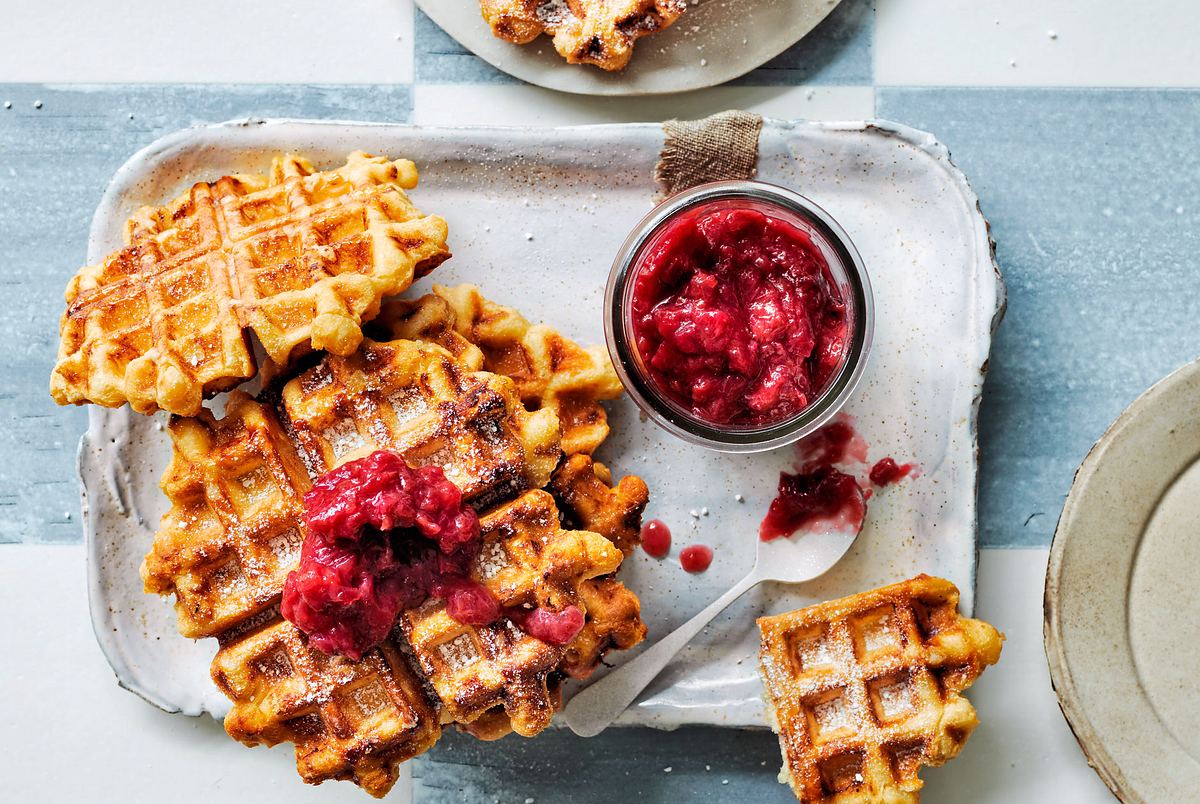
(383, 537)
(737, 316)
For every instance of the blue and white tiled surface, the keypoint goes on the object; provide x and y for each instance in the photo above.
(1076, 123)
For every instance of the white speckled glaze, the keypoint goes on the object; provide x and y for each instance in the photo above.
(731, 37)
(535, 218)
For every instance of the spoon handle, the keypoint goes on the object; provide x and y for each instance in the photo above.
(595, 707)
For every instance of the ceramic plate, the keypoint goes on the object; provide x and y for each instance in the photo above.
(1122, 602)
(713, 42)
(535, 218)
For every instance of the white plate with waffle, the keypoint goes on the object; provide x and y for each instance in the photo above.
(535, 217)
(712, 42)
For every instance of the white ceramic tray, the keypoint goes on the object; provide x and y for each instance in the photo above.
(713, 42)
(535, 218)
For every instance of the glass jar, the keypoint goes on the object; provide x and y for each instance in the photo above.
(845, 268)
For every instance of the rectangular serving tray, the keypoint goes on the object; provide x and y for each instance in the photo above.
(536, 216)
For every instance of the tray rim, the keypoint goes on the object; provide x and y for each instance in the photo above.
(144, 161)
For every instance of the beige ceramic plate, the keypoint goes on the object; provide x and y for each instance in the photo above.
(1123, 598)
(730, 37)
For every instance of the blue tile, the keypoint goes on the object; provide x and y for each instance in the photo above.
(557, 766)
(839, 51)
(54, 164)
(438, 58)
(1091, 194)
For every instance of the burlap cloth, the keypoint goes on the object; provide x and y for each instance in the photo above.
(720, 147)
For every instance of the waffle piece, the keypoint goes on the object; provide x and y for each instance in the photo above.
(527, 559)
(599, 32)
(235, 525)
(550, 371)
(588, 500)
(416, 399)
(864, 690)
(301, 258)
(349, 720)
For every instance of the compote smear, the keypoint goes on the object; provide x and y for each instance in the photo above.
(695, 557)
(656, 538)
(737, 316)
(823, 497)
(835, 443)
(887, 471)
(382, 537)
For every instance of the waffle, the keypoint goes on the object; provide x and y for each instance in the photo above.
(527, 559)
(415, 399)
(865, 690)
(235, 525)
(613, 613)
(598, 32)
(589, 500)
(349, 720)
(300, 258)
(550, 371)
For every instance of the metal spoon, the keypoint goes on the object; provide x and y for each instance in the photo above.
(786, 560)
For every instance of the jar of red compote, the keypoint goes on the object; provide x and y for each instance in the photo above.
(739, 316)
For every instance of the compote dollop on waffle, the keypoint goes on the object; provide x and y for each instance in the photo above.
(382, 537)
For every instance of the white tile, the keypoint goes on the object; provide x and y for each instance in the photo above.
(1044, 43)
(220, 41)
(512, 105)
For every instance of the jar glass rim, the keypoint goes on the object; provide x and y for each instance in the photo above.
(669, 414)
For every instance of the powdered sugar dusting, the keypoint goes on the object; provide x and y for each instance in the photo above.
(894, 699)
(343, 438)
(814, 652)
(553, 13)
(492, 559)
(834, 714)
(286, 546)
(459, 652)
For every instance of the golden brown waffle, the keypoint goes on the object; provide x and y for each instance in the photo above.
(527, 559)
(599, 32)
(234, 528)
(588, 500)
(415, 399)
(349, 720)
(864, 690)
(612, 612)
(550, 371)
(301, 258)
